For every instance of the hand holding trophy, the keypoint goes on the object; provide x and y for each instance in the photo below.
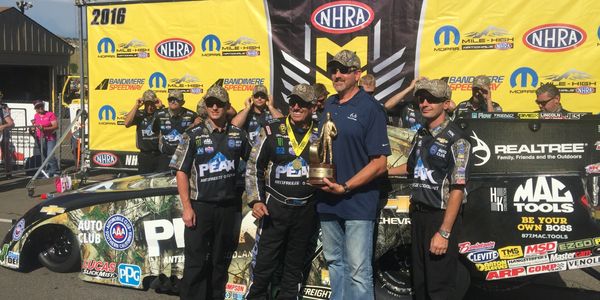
(321, 155)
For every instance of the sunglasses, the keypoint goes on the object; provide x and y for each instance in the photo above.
(542, 102)
(260, 95)
(431, 100)
(210, 102)
(172, 100)
(301, 103)
(340, 68)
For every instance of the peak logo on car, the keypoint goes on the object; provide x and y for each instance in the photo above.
(118, 232)
(105, 159)
(342, 17)
(174, 49)
(554, 37)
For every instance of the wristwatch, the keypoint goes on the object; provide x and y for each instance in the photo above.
(445, 234)
(346, 188)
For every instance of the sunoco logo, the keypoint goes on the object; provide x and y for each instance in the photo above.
(342, 17)
(174, 49)
(541, 194)
(554, 37)
(105, 159)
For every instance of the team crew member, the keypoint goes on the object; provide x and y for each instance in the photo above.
(439, 164)
(206, 163)
(368, 83)
(548, 99)
(321, 94)
(258, 111)
(481, 99)
(283, 201)
(172, 121)
(146, 136)
(348, 208)
(410, 116)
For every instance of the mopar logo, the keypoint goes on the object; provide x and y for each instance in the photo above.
(157, 80)
(174, 49)
(482, 256)
(554, 37)
(130, 275)
(105, 159)
(211, 42)
(523, 72)
(342, 17)
(447, 31)
(107, 112)
(106, 43)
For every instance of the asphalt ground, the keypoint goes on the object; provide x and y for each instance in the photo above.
(41, 283)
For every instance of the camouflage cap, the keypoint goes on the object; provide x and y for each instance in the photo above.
(346, 58)
(259, 88)
(201, 109)
(149, 96)
(436, 87)
(482, 81)
(175, 94)
(320, 90)
(304, 92)
(218, 92)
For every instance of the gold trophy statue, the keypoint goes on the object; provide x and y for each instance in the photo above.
(321, 155)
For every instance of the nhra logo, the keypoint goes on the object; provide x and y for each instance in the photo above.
(107, 112)
(342, 17)
(543, 195)
(130, 275)
(554, 37)
(105, 159)
(174, 49)
(482, 256)
(118, 232)
(217, 164)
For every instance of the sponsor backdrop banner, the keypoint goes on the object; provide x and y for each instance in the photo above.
(190, 45)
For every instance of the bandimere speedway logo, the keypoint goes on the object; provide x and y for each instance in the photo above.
(186, 83)
(107, 48)
(174, 49)
(241, 84)
(572, 81)
(342, 17)
(543, 195)
(211, 45)
(554, 37)
(121, 84)
(448, 38)
(465, 83)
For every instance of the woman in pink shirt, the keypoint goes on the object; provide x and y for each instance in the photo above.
(46, 125)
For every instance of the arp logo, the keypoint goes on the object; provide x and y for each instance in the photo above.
(447, 31)
(106, 43)
(524, 72)
(157, 80)
(342, 17)
(174, 49)
(130, 275)
(107, 112)
(554, 37)
(211, 43)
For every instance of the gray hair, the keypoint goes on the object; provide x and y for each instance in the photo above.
(548, 88)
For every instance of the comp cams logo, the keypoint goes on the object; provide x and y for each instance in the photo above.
(572, 81)
(448, 38)
(481, 151)
(118, 232)
(187, 83)
(243, 46)
(554, 37)
(465, 83)
(342, 17)
(121, 84)
(543, 194)
(105, 159)
(174, 49)
(107, 48)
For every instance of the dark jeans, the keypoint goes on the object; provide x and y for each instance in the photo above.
(285, 234)
(209, 247)
(434, 276)
(148, 162)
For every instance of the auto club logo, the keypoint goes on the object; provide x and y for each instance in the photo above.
(118, 232)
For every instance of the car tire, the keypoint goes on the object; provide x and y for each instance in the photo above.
(59, 250)
(392, 275)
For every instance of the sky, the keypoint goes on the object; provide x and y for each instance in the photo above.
(58, 16)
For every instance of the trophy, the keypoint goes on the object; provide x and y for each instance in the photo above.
(321, 155)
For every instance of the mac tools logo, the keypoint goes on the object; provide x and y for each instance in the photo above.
(481, 150)
(174, 49)
(554, 37)
(543, 194)
(342, 17)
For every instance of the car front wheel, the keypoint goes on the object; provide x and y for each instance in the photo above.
(59, 250)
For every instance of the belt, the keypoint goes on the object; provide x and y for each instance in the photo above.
(286, 200)
(415, 206)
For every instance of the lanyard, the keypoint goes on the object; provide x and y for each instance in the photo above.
(297, 148)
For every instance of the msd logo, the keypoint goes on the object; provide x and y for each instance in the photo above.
(342, 17)
(174, 49)
(554, 37)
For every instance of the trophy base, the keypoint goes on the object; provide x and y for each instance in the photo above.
(316, 174)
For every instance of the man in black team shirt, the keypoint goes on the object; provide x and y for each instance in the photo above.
(283, 202)
(172, 121)
(258, 111)
(146, 138)
(206, 163)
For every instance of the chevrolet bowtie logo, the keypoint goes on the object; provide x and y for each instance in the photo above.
(400, 204)
(52, 210)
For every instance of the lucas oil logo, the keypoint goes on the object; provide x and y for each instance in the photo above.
(542, 194)
(217, 164)
(174, 49)
(118, 232)
(342, 17)
(554, 37)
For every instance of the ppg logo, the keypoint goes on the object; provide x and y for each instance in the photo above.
(130, 275)
(447, 31)
(523, 72)
(211, 42)
(107, 112)
(106, 43)
(157, 80)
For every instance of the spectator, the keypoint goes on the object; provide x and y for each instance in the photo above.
(321, 93)
(368, 84)
(548, 99)
(410, 116)
(481, 99)
(258, 111)
(5, 126)
(146, 136)
(46, 125)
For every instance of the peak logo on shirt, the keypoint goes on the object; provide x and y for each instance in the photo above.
(216, 164)
(422, 173)
(291, 171)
